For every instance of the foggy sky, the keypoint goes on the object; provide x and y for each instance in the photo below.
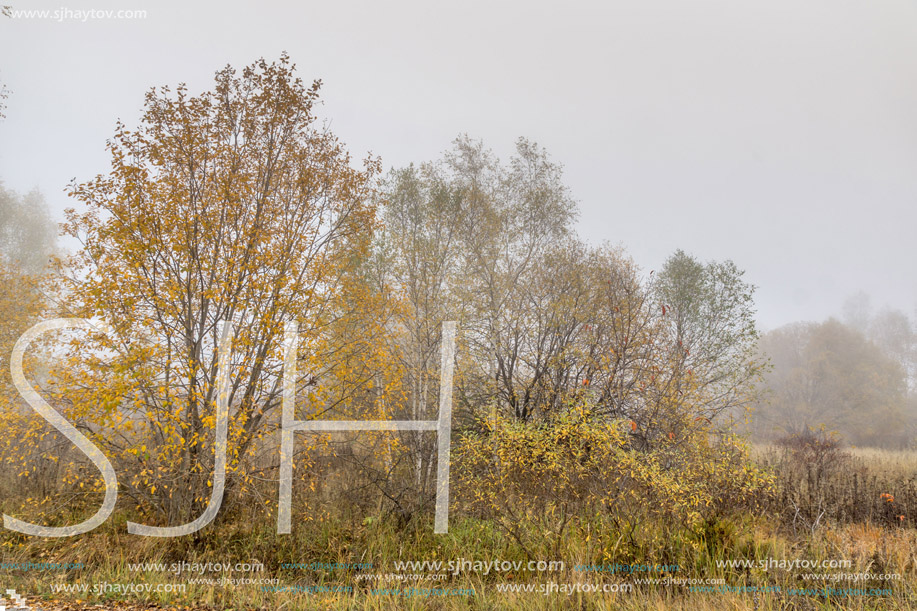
(781, 134)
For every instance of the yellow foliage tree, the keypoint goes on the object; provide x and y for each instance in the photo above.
(228, 205)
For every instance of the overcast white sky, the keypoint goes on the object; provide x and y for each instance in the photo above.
(779, 133)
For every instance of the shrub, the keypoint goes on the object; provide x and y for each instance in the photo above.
(578, 464)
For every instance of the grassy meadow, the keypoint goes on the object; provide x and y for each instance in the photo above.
(826, 509)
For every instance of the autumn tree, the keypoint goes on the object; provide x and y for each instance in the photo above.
(516, 214)
(28, 235)
(544, 317)
(708, 309)
(830, 375)
(417, 257)
(227, 205)
(895, 334)
(27, 292)
(27, 242)
(461, 237)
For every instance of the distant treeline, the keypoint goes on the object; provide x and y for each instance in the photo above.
(856, 377)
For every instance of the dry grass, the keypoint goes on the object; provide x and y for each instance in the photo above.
(831, 485)
(873, 544)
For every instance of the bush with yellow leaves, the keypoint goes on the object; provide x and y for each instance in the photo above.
(576, 466)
